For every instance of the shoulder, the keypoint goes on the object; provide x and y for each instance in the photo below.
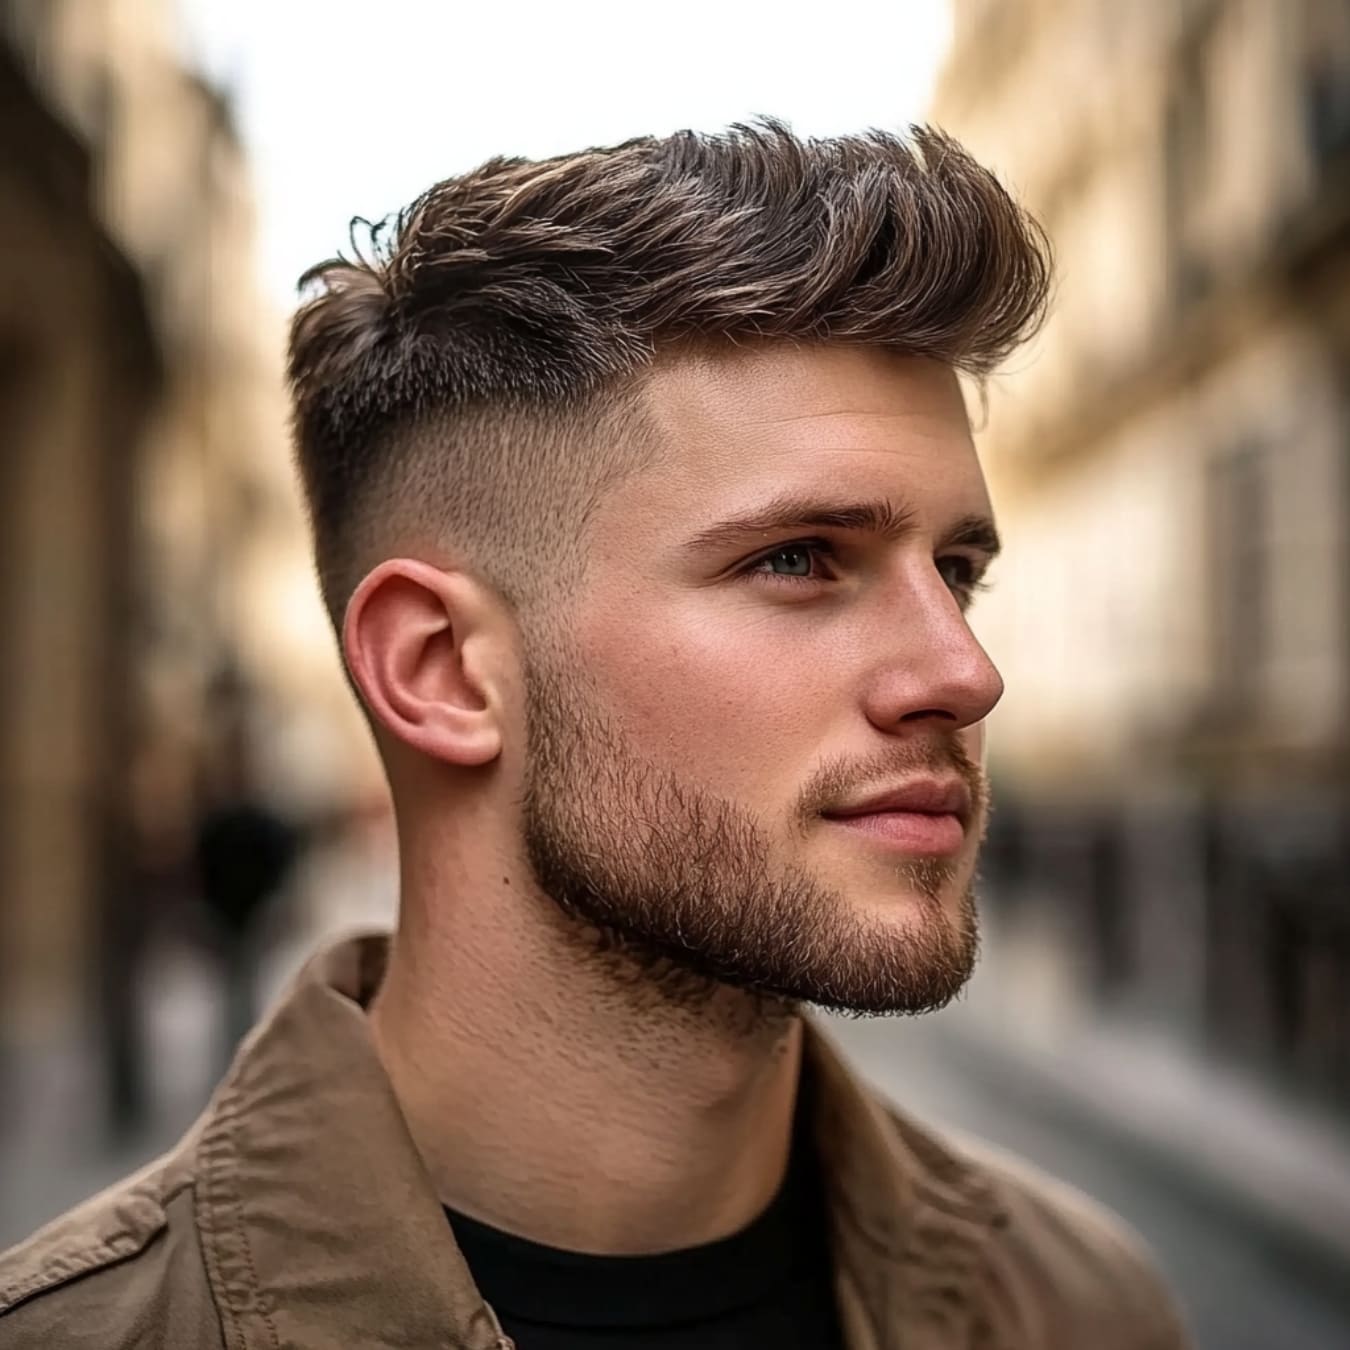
(1075, 1248)
(1080, 1266)
(121, 1270)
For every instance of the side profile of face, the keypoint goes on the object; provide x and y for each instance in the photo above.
(753, 753)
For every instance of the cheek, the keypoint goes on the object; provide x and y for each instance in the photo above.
(727, 704)
(973, 741)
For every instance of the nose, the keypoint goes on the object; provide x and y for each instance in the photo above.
(933, 669)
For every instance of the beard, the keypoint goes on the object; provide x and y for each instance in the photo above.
(679, 891)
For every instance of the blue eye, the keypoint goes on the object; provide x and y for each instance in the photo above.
(956, 571)
(799, 561)
(795, 560)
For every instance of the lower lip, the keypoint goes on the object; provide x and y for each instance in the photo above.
(908, 831)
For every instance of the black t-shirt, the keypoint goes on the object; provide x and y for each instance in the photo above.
(768, 1287)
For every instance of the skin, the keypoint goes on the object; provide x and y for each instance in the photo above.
(604, 1055)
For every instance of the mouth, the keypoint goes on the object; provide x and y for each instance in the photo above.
(934, 834)
(927, 818)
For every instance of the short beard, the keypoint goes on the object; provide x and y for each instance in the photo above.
(677, 892)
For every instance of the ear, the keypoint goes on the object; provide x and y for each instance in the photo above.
(422, 647)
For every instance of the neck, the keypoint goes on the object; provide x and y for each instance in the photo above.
(569, 1099)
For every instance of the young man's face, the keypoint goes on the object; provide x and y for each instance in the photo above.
(728, 694)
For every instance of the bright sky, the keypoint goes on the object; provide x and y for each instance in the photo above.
(352, 109)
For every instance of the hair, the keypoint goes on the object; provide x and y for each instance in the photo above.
(468, 379)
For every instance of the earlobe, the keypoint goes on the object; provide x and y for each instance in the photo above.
(418, 641)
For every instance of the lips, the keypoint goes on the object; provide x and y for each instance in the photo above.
(928, 817)
(929, 797)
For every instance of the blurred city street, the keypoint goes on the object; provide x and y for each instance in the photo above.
(189, 797)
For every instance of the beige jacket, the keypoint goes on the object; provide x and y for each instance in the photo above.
(296, 1213)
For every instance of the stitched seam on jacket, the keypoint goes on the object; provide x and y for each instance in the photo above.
(112, 1250)
(216, 1144)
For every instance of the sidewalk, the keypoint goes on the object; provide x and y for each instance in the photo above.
(54, 1152)
(1243, 1284)
(1273, 1163)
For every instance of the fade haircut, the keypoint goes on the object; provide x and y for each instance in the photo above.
(469, 380)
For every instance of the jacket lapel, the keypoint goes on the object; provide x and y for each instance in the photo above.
(319, 1225)
(911, 1221)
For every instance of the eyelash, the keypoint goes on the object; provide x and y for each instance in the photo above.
(817, 546)
(821, 547)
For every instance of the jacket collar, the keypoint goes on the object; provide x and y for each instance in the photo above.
(912, 1222)
(319, 1224)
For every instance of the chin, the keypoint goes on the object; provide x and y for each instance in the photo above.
(909, 914)
(887, 886)
(907, 958)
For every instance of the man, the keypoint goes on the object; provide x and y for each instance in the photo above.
(645, 506)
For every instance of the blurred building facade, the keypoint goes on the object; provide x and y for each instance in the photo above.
(1171, 465)
(155, 596)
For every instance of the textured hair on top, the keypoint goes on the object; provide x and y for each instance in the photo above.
(462, 362)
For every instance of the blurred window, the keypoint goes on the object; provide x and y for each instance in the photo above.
(1186, 152)
(1326, 84)
(1239, 576)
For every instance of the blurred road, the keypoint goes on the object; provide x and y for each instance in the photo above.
(1242, 1287)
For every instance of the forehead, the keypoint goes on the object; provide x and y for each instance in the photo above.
(755, 420)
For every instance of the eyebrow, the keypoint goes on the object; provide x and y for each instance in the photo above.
(881, 517)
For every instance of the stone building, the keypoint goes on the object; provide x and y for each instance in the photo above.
(156, 603)
(1171, 465)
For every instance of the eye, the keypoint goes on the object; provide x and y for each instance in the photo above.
(798, 561)
(963, 575)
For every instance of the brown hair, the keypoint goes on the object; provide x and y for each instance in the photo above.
(459, 378)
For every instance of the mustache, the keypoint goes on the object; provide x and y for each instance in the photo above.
(842, 777)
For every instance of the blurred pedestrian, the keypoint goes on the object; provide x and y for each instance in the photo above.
(245, 849)
(245, 852)
(646, 508)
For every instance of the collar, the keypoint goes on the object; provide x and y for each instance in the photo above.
(319, 1225)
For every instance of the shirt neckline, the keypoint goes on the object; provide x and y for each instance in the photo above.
(553, 1286)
